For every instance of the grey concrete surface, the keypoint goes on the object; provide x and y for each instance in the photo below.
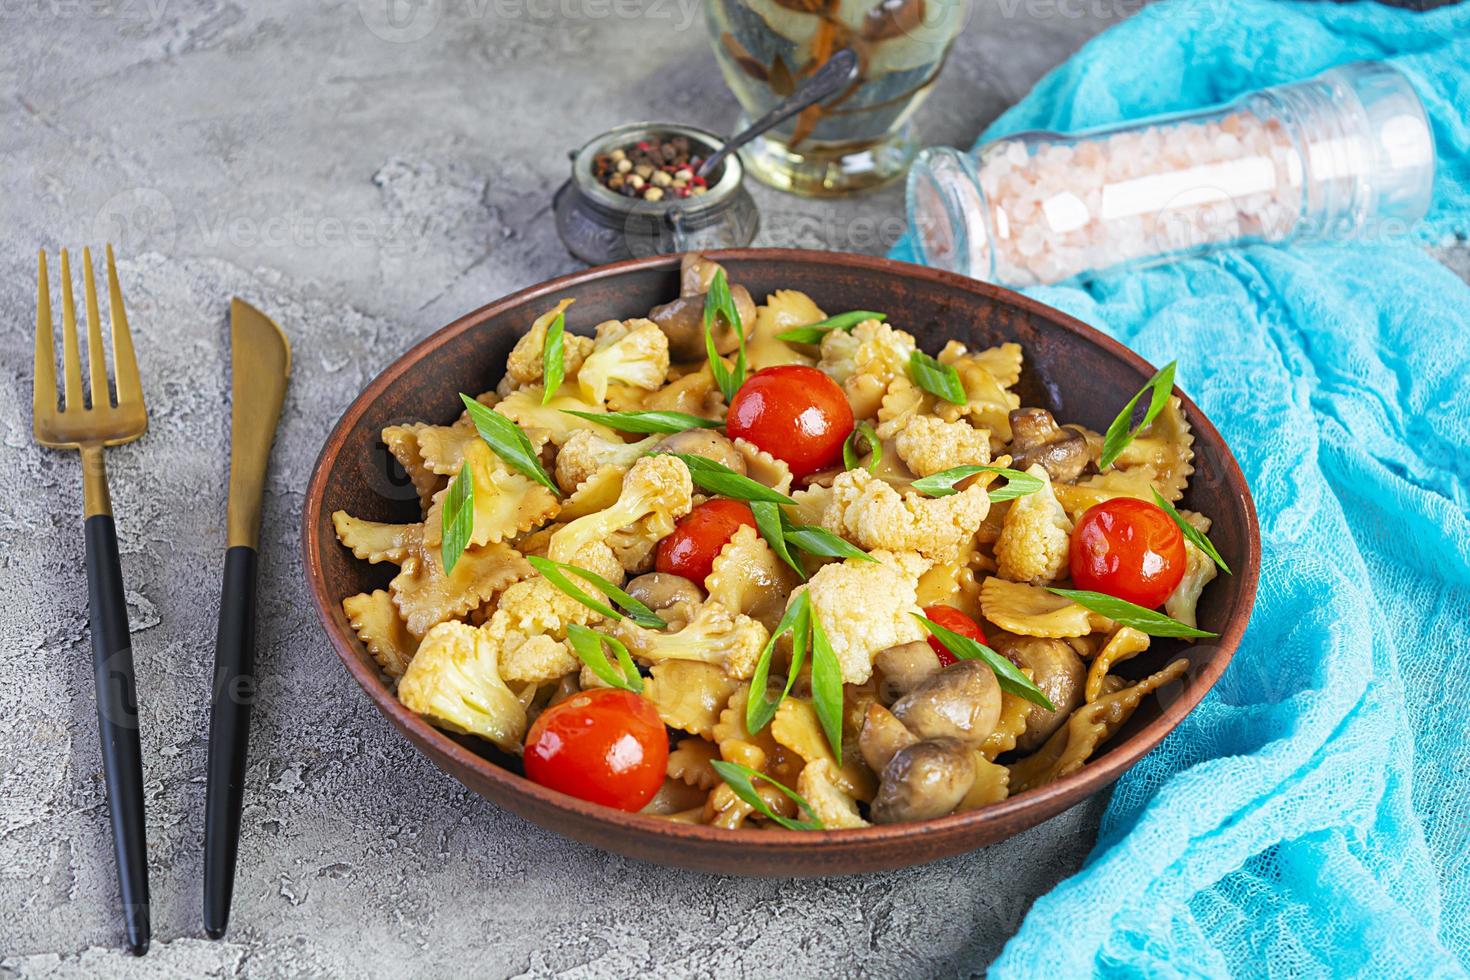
(366, 181)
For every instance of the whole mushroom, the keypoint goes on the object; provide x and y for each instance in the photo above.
(925, 780)
(1057, 670)
(664, 592)
(682, 320)
(903, 668)
(1036, 438)
(961, 702)
(882, 737)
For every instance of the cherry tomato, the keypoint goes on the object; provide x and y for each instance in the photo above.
(956, 622)
(1130, 549)
(604, 745)
(795, 413)
(698, 537)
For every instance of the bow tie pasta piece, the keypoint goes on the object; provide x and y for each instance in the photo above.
(454, 682)
(797, 728)
(442, 447)
(695, 393)
(1015, 714)
(506, 503)
(598, 492)
(689, 696)
(871, 514)
(992, 784)
(747, 577)
(1123, 645)
(689, 762)
(758, 751)
(866, 607)
(1167, 446)
(525, 364)
(373, 542)
(1035, 537)
(714, 635)
(375, 620)
(1033, 611)
(1090, 726)
(585, 452)
(550, 421)
(811, 504)
(764, 468)
(425, 596)
(656, 492)
(986, 377)
(785, 309)
(403, 443)
(819, 785)
(631, 352)
(1199, 571)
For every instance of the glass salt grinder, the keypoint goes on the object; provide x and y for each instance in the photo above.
(1346, 154)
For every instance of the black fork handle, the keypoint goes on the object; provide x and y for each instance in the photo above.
(229, 732)
(117, 720)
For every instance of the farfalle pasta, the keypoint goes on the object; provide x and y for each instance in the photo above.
(897, 609)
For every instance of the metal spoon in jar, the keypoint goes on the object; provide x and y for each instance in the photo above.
(825, 82)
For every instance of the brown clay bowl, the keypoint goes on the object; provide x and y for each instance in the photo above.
(1077, 372)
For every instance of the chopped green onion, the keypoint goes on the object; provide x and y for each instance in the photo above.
(590, 647)
(813, 333)
(850, 458)
(741, 779)
(768, 522)
(637, 611)
(719, 303)
(826, 686)
(759, 710)
(822, 542)
(1119, 435)
(509, 442)
(1125, 613)
(943, 483)
(457, 518)
(644, 422)
(713, 477)
(940, 380)
(553, 364)
(1006, 673)
(1193, 534)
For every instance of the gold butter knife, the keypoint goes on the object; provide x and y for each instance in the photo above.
(260, 361)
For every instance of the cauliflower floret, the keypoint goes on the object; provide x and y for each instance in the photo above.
(929, 445)
(872, 514)
(523, 367)
(656, 492)
(714, 636)
(1035, 536)
(1199, 571)
(865, 607)
(534, 606)
(585, 452)
(535, 659)
(454, 682)
(818, 785)
(632, 352)
(872, 347)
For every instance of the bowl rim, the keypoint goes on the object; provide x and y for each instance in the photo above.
(1051, 798)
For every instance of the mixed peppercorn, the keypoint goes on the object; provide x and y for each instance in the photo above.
(653, 169)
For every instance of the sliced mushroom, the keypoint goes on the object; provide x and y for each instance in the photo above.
(1036, 438)
(683, 319)
(882, 736)
(706, 443)
(962, 701)
(925, 780)
(903, 668)
(674, 596)
(1057, 670)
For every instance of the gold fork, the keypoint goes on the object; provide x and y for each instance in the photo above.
(88, 428)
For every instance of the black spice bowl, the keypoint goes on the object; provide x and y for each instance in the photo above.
(599, 225)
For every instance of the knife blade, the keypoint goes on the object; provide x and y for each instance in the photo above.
(260, 363)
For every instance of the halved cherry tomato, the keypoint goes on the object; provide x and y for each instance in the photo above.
(956, 622)
(604, 745)
(698, 537)
(795, 413)
(1130, 549)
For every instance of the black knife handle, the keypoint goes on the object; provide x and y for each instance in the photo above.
(117, 722)
(229, 732)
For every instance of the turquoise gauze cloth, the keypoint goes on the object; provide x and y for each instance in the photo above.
(1311, 816)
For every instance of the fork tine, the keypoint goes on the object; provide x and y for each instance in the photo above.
(96, 355)
(71, 358)
(43, 396)
(129, 387)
